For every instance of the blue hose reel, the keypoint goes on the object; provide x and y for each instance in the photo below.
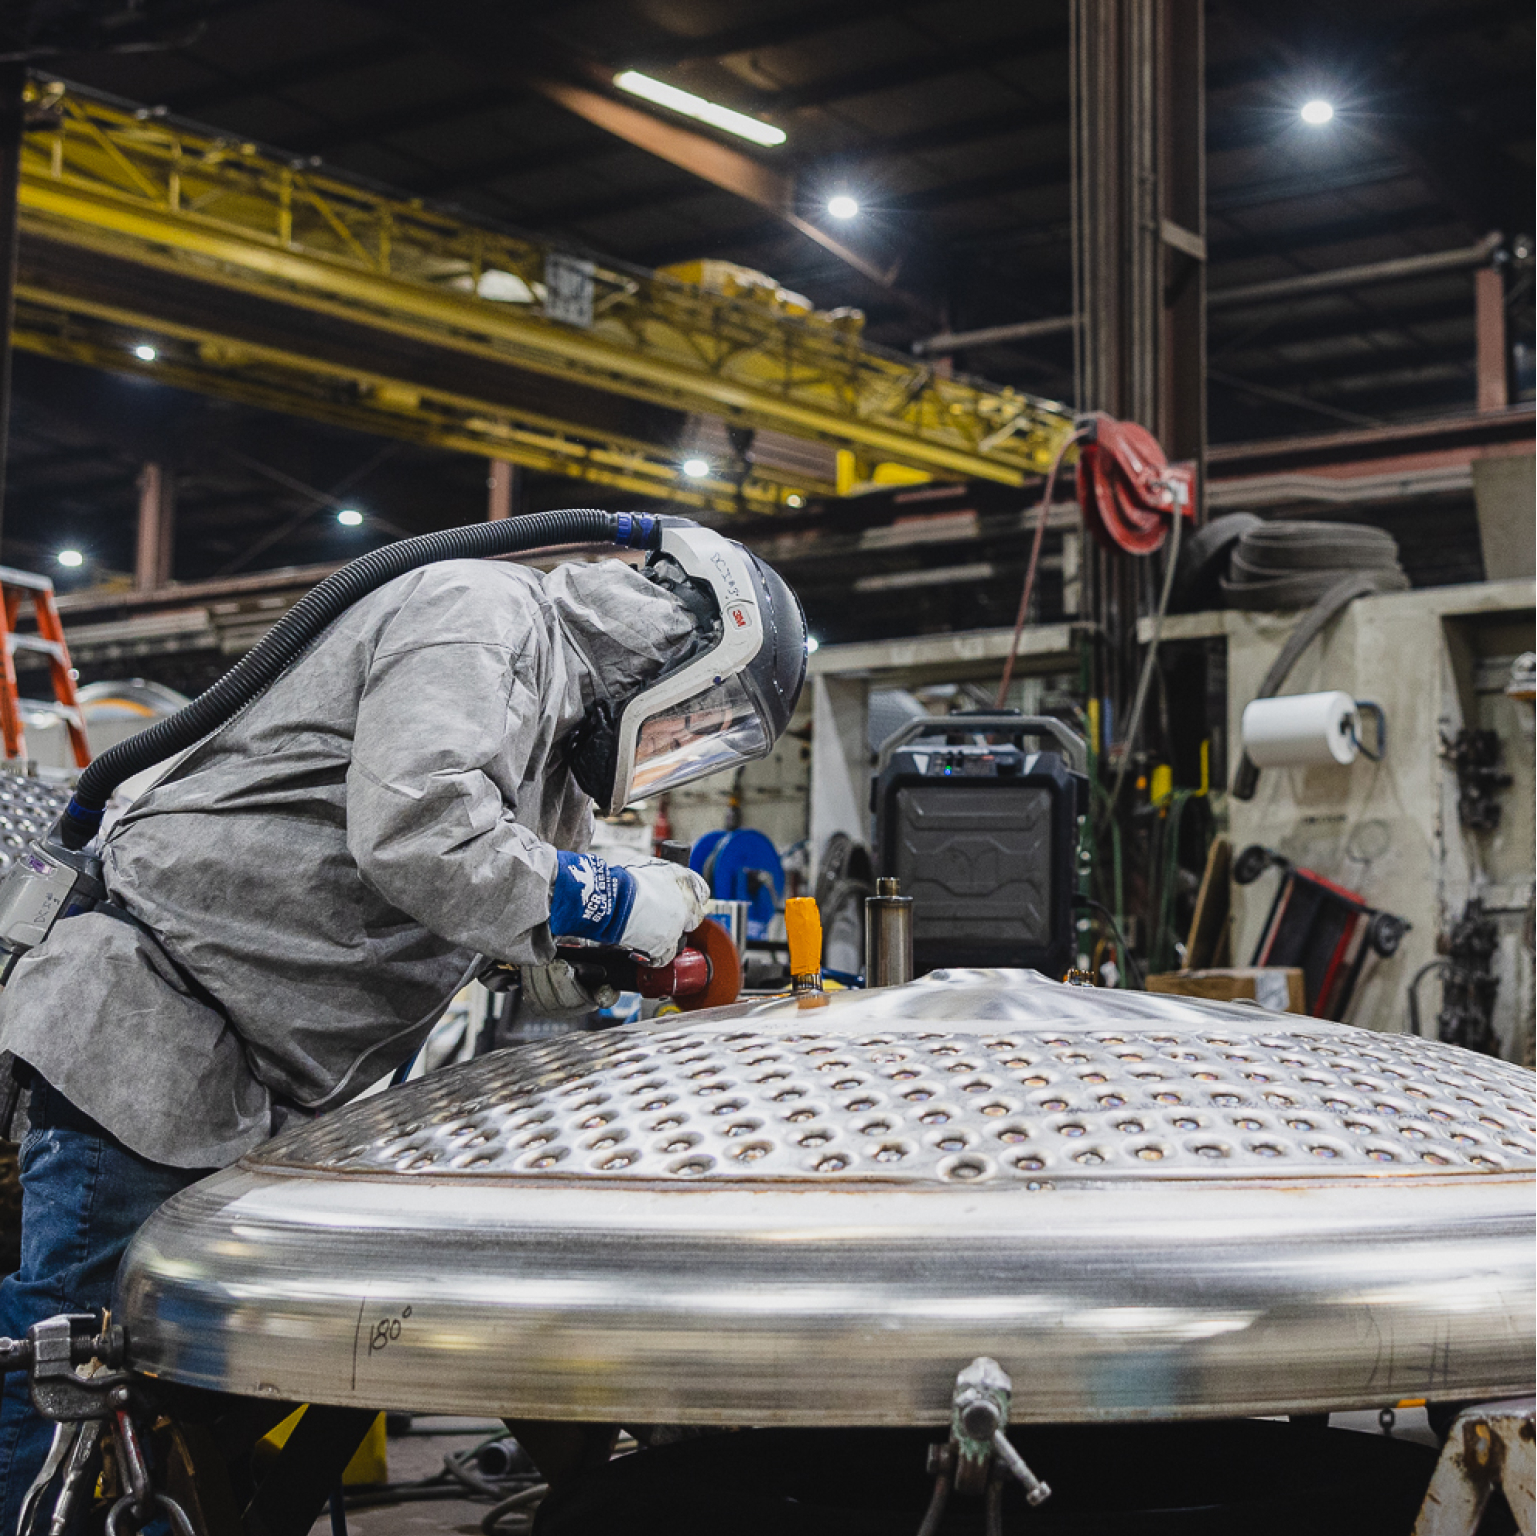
(742, 866)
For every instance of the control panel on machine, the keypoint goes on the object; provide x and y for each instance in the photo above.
(990, 762)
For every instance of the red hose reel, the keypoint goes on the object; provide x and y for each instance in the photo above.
(1130, 493)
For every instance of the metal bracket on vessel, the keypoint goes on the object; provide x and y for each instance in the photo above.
(978, 1458)
(1493, 1445)
(74, 1368)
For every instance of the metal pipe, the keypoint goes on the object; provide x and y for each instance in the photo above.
(888, 935)
(1022, 330)
(1246, 293)
(1359, 277)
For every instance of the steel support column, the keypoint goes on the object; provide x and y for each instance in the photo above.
(1181, 108)
(1489, 325)
(1139, 267)
(505, 490)
(157, 518)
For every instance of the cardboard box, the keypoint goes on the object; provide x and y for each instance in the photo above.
(1277, 987)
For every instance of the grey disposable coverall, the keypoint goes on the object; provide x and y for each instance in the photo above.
(322, 875)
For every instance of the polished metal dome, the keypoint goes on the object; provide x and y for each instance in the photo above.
(1143, 1206)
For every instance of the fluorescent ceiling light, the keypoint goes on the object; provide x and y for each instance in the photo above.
(696, 469)
(842, 206)
(71, 557)
(1317, 112)
(349, 517)
(697, 107)
(145, 353)
(504, 287)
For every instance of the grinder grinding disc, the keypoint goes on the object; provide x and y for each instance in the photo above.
(725, 984)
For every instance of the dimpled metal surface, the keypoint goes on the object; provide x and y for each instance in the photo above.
(992, 1098)
(28, 808)
(1144, 1206)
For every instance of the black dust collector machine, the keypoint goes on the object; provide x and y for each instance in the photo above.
(981, 829)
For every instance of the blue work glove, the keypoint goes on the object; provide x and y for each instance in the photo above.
(645, 907)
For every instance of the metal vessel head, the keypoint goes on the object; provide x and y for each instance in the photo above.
(1142, 1207)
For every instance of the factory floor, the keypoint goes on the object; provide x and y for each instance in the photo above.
(414, 1457)
(418, 1456)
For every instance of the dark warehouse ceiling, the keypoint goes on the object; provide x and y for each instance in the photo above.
(947, 121)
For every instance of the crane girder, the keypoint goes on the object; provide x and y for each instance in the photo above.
(284, 285)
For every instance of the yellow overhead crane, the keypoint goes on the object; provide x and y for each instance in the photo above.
(279, 285)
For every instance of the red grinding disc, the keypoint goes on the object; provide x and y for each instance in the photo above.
(725, 982)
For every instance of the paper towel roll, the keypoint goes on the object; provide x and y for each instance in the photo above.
(1301, 728)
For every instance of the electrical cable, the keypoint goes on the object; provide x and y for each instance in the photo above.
(1414, 990)
(1133, 966)
(453, 1465)
(517, 1502)
(404, 1493)
(1134, 724)
(1116, 889)
(314, 612)
(935, 1513)
(1160, 950)
(1035, 555)
(456, 1480)
(993, 1509)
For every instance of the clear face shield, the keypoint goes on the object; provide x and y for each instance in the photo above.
(718, 728)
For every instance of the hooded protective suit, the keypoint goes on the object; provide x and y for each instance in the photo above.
(318, 879)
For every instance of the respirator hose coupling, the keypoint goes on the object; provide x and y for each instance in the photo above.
(79, 823)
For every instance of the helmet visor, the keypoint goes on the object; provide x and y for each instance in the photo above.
(718, 728)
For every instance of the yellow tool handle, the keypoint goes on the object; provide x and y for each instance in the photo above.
(803, 929)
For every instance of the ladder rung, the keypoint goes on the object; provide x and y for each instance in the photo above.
(11, 577)
(34, 643)
(66, 712)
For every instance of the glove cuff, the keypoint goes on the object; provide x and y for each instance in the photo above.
(590, 899)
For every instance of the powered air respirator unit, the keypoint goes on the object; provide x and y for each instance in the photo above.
(725, 701)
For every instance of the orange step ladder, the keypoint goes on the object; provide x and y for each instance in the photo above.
(49, 642)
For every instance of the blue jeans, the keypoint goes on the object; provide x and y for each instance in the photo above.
(83, 1196)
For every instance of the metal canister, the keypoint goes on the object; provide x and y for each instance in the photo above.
(888, 935)
(732, 916)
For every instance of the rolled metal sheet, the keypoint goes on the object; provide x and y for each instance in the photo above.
(1145, 1207)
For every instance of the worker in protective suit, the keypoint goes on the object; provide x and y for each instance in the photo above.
(293, 905)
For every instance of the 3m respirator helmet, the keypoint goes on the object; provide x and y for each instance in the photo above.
(725, 702)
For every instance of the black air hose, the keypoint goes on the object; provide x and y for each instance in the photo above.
(318, 608)
(1294, 564)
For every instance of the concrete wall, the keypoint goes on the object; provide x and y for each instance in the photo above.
(1390, 831)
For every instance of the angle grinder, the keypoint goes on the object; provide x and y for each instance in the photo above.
(705, 973)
